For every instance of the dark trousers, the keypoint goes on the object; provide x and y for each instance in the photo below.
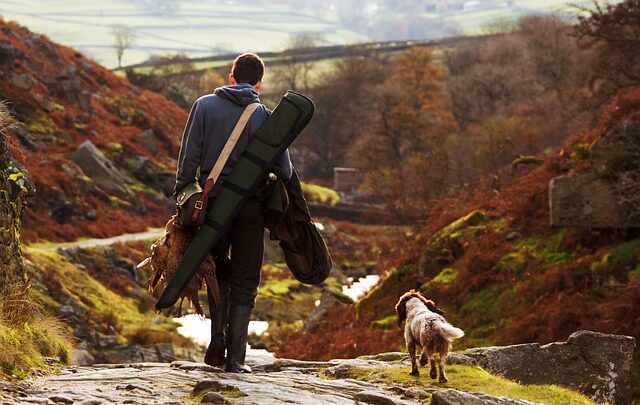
(245, 239)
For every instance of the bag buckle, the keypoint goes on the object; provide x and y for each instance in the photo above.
(199, 205)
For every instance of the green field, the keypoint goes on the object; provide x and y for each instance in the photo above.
(199, 28)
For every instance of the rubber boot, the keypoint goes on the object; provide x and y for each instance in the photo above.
(237, 331)
(219, 315)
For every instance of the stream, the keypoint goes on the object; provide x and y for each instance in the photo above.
(198, 328)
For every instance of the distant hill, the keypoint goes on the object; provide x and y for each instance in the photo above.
(200, 28)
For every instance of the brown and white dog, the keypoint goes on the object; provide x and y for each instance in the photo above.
(426, 328)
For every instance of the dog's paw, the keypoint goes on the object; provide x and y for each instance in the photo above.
(415, 372)
(443, 380)
(433, 373)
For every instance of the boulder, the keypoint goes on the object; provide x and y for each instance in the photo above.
(100, 169)
(605, 196)
(597, 364)
(8, 52)
(455, 397)
(211, 385)
(23, 81)
(156, 353)
(328, 299)
(377, 398)
(82, 357)
(148, 140)
(213, 398)
(156, 179)
(585, 200)
(69, 87)
(61, 399)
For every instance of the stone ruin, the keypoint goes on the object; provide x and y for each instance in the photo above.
(608, 194)
(346, 179)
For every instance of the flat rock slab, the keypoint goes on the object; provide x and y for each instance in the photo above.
(164, 383)
(294, 387)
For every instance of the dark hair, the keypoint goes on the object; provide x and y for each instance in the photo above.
(248, 68)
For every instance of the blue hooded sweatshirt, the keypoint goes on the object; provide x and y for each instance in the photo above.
(211, 120)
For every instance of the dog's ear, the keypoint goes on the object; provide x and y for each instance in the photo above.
(432, 307)
(401, 310)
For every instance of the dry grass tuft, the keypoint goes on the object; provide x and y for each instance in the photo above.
(27, 334)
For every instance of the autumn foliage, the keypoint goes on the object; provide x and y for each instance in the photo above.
(542, 287)
(62, 99)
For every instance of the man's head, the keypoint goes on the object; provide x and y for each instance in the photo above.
(247, 68)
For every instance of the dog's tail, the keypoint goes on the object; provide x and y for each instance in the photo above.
(449, 332)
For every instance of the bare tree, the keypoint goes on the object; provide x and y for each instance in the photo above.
(124, 38)
(296, 69)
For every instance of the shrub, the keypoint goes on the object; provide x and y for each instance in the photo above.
(320, 195)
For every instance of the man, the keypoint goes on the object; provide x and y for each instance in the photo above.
(211, 120)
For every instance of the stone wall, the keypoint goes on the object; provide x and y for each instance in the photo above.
(346, 179)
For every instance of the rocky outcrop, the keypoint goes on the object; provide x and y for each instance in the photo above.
(15, 186)
(68, 86)
(605, 196)
(156, 353)
(100, 169)
(584, 200)
(172, 383)
(595, 363)
(148, 140)
(23, 81)
(277, 381)
(273, 382)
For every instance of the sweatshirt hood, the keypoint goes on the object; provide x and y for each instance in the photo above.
(241, 94)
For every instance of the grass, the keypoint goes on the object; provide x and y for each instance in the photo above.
(447, 276)
(282, 298)
(481, 311)
(108, 312)
(471, 379)
(619, 263)
(28, 334)
(547, 250)
(41, 124)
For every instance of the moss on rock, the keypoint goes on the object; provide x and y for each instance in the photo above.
(319, 195)
(469, 379)
(441, 250)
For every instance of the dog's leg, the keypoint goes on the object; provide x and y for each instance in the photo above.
(443, 376)
(412, 353)
(433, 371)
(424, 359)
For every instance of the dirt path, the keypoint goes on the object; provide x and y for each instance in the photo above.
(273, 382)
(150, 234)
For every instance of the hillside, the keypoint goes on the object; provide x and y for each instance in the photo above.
(497, 268)
(63, 100)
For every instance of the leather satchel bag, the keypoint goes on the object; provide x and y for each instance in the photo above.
(191, 202)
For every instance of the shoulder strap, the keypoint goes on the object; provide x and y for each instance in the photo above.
(222, 159)
(231, 143)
